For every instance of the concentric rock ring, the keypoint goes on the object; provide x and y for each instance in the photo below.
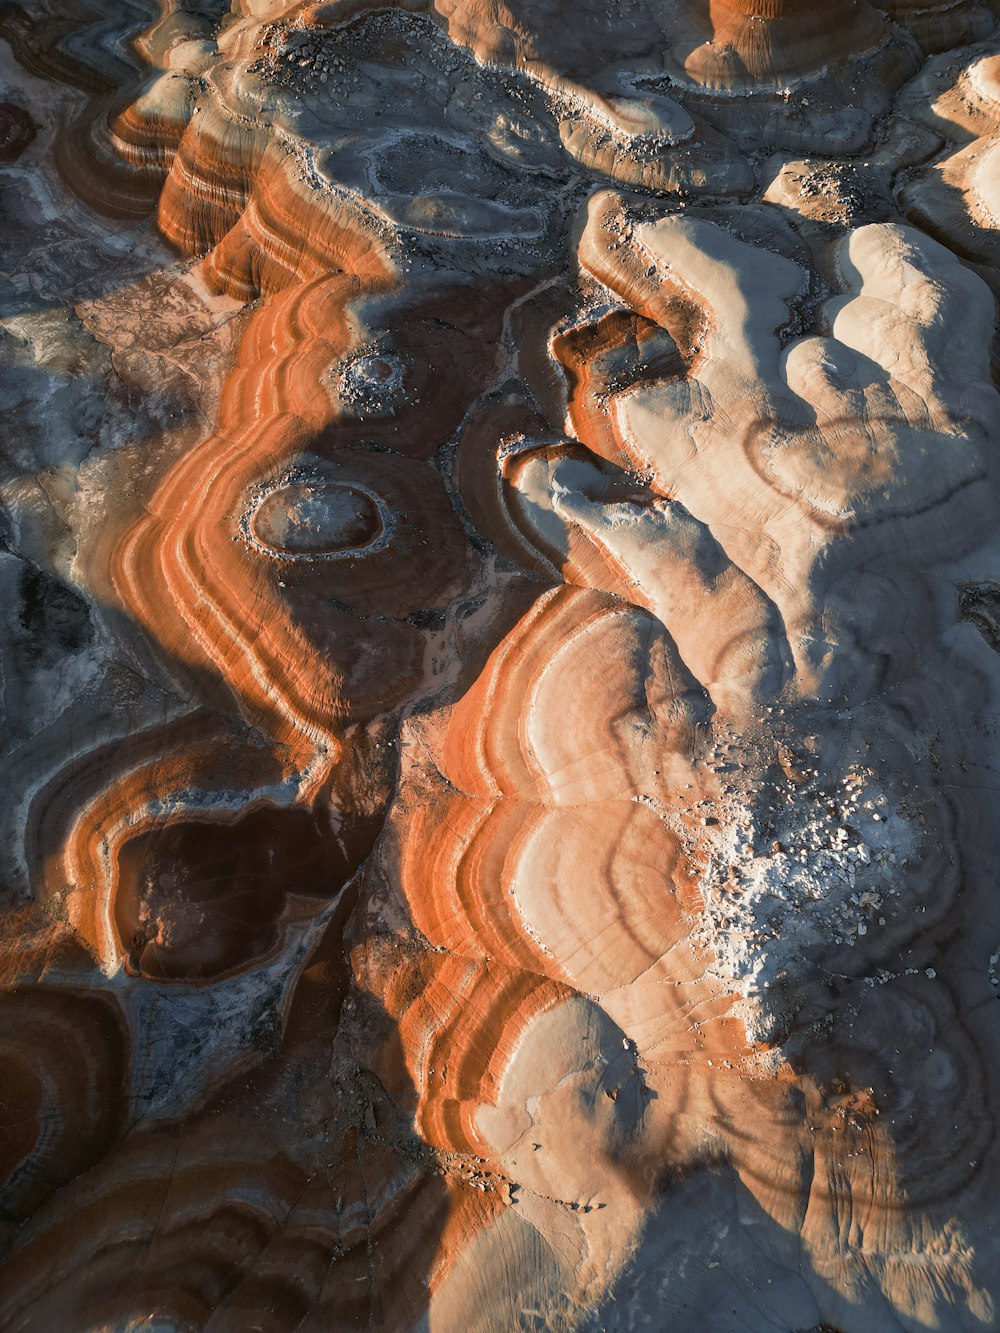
(312, 519)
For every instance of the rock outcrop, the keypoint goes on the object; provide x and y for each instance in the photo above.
(500, 665)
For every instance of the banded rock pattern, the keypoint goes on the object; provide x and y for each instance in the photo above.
(499, 665)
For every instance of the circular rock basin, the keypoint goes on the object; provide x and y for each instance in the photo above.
(375, 372)
(375, 381)
(315, 518)
(196, 901)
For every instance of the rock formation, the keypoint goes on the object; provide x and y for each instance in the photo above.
(499, 672)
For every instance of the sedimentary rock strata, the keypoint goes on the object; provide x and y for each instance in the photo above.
(499, 665)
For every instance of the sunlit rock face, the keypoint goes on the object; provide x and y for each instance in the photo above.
(501, 604)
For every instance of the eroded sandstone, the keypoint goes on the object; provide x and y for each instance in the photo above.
(499, 668)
